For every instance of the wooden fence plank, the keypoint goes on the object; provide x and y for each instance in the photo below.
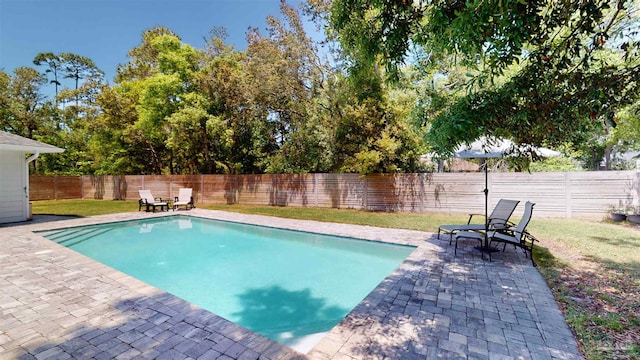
(342, 191)
(218, 189)
(42, 187)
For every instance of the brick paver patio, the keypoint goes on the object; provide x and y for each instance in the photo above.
(58, 304)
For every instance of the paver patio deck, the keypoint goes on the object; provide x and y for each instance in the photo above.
(58, 304)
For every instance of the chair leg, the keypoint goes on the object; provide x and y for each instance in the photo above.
(455, 250)
(531, 255)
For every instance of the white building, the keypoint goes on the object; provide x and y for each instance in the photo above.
(14, 174)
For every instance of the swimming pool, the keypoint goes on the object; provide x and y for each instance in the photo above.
(286, 285)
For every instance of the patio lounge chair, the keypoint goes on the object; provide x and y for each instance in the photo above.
(184, 198)
(499, 219)
(150, 202)
(515, 235)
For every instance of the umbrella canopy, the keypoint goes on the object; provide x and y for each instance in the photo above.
(495, 148)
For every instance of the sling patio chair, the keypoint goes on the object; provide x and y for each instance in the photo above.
(184, 198)
(499, 219)
(147, 199)
(515, 235)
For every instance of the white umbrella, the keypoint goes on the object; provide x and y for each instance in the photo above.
(488, 148)
(484, 148)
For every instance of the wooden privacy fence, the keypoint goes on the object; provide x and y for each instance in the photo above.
(573, 194)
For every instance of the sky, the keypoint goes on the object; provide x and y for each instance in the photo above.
(105, 30)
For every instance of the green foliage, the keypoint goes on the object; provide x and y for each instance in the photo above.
(540, 72)
(196, 140)
(176, 109)
(81, 70)
(22, 102)
(53, 62)
(158, 82)
(308, 150)
(626, 135)
(117, 147)
(374, 140)
(5, 99)
(143, 58)
(554, 164)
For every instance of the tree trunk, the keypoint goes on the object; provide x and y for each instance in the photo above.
(607, 158)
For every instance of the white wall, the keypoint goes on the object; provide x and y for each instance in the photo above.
(14, 203)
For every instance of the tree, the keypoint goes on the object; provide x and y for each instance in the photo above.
(164, 94)
(70, 124)
(222, 82)
(312, 148)
(286, 65)
(24, 101)
(318, 120)
(143, 58)
(195, 137)
(625, 136)
(79, 69)
(158, 81)
(24, 110)
(372, 135)
(116, 146)
(53, 62)
(541, 72)
(5, 100)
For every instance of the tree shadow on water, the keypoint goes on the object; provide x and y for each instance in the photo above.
(284, 316)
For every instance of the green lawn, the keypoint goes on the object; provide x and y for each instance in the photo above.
(412, 221)
(592, 267)
(82, 207)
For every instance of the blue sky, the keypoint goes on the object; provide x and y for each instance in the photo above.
(105, 30)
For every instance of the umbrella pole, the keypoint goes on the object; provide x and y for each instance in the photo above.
(486, 206)
(485, 248)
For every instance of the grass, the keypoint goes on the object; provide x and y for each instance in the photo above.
(592, 268)
(82, 207)
(424, 222)
(606, 241)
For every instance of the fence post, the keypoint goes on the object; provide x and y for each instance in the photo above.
(236, 188)
(365, 195)
(315, 189)
(636, 187)
(567, 195)
(423, 193)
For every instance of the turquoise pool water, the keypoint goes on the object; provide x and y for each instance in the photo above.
(285, 285)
